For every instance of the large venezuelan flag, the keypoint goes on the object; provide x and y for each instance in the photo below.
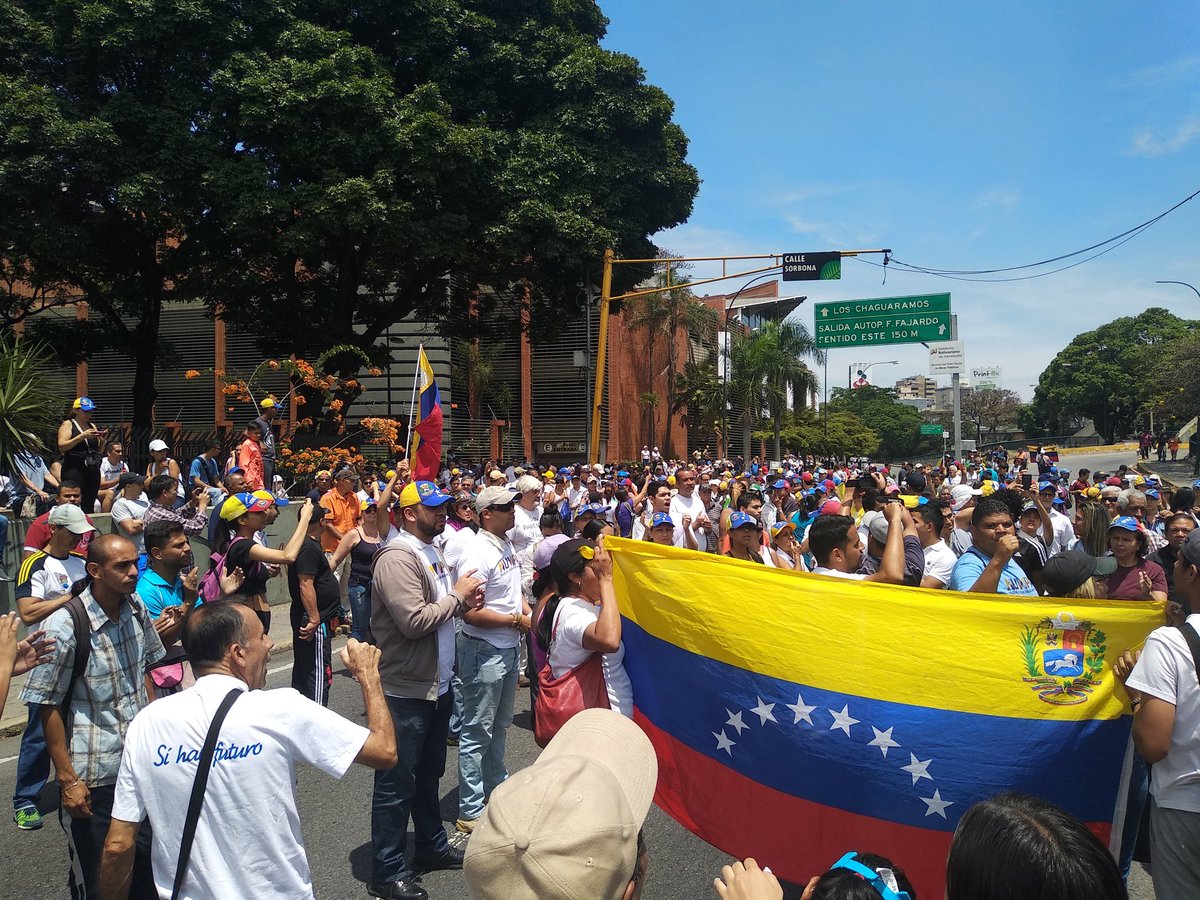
(425, 454)
(797, 717)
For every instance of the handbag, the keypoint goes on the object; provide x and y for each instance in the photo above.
(560, 698)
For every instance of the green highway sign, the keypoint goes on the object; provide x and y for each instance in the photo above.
(935, 429)
(924, 318)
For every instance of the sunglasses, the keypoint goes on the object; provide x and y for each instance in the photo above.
(503, 507)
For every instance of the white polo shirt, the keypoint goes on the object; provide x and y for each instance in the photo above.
(495, 559)
(248, 841)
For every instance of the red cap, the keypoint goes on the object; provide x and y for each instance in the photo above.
(807, 476)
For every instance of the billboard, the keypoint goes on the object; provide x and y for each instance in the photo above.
(986, 379)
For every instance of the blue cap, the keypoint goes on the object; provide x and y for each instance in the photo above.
(1129, 523)
(84, 403)
(740, 519)
(565, 470)
(1059, 501)
(622, 474)
(1154, 494)
(661, 519)
(426, 493)
(1196, 483)
(779, 484)
(235, 469)
(1045, 486)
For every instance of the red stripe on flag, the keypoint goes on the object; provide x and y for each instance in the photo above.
(795, 837)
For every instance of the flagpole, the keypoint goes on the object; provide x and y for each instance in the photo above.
(412, 403)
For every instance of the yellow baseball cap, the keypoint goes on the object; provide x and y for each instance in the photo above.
(268, 403)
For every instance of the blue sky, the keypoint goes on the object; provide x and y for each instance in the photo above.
(960, 135)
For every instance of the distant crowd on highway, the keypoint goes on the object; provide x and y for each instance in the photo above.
(462, 587)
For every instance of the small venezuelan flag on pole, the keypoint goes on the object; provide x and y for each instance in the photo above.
(425, 438)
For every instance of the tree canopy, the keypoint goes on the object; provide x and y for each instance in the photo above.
(897, 425)
(316, 171)
(1113, 374)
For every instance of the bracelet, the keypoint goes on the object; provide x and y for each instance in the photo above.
(1134, 704)
(67, 787)
(516, 620)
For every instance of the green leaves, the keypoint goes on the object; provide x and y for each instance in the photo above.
(1115, 374)
(29, 411)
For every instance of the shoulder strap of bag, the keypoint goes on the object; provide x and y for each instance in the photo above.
(1193, 640)
(83, 651)
(198, 786)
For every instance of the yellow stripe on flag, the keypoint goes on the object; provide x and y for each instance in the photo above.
(972, 653)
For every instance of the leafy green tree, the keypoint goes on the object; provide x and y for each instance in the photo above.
(764, 366)
(700, 395)
(1107, 374)
(897, 424)
(838, 434)
(316, 171)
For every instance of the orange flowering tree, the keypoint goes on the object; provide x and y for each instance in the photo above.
(322, 438)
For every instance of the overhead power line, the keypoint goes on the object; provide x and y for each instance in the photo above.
(966, 274)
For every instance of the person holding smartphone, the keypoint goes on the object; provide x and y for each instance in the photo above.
(82, 446)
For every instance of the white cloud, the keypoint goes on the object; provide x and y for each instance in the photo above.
(1004, 197)
(1156, 76)
(1148, 144)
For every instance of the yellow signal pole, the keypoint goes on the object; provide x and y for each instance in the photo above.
(601, 351)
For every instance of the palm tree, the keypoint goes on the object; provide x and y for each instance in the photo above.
(766, 368)
(29, 408)
(785, 347)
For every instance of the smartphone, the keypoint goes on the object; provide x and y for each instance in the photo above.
(1026, 480)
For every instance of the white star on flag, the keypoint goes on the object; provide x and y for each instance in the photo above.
(918, 769)
(763, 711)
(735, 721)
(724, 743)
(842, 720)
(801, 709)
(883, 740)
(936, 804)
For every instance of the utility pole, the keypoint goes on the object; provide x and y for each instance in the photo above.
(956, 383)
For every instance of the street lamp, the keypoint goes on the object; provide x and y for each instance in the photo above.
(1184, 283)
(865, 369)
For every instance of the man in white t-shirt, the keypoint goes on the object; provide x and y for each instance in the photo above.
(1164, 692)
(939, 558)
(129, 512)
(835, 545)
(248, 841)
(688, 503)
(489, 654)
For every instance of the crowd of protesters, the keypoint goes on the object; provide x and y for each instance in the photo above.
(461, 588)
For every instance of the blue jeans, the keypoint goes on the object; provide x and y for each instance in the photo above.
(33, 764)
(3, 538)
(411, 787)
(1135, 805)
(489, 677)
(359, 596)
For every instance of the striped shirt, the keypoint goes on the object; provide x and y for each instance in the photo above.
(190, 517)
(111, 691)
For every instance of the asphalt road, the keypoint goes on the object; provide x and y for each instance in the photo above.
(336, 821)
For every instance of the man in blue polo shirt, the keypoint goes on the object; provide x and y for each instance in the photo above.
(168, 589)
(987, 567)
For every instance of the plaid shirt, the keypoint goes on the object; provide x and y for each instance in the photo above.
(110, 692)
(193, 521)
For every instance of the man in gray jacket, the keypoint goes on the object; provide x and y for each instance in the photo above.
(412, 618)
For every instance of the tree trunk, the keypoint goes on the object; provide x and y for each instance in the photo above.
(145, 342)
(746, 434)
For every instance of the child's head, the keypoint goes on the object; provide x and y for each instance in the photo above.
(861, 876)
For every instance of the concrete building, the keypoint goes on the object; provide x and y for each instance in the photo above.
(917, 387)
